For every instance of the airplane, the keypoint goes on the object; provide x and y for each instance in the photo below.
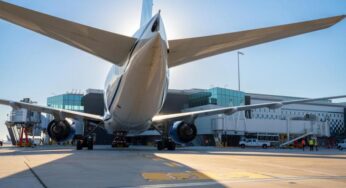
(137, 83)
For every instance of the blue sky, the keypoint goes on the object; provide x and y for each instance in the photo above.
(310, 65)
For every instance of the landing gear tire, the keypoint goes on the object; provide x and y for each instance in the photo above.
(79, 145)
(160, 146)
(90, 146)
(120, 145)
(87, 141)
(171, 146)
(114, 145)
(119, 140)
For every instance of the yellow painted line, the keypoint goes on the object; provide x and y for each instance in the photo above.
(169, 164)
(157, 159)
(172, 164)
(194, 175)
(176, 164)
(159, 176)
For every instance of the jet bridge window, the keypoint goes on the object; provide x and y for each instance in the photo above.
(156, 25)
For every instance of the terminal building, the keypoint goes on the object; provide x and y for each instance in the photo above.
(68, 101)
(322, 119)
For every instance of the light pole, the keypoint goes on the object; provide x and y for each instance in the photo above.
(239, 53)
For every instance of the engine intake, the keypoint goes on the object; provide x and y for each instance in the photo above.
(60, 131)
(182, 132)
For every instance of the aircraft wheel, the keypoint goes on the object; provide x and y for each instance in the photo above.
(90, 146)
(171, 146)
(79, 145)
(160, 146)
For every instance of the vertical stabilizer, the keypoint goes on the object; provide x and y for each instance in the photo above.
(147, 11)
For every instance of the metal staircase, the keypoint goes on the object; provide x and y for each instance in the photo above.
(13, 132)
(299, 137)
(217, 140)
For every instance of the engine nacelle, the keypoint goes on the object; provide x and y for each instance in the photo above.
(60, 131)
(182, 132)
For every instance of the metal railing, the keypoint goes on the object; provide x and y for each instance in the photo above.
(297, 138)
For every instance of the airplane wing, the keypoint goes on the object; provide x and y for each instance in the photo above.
(232, 110)
(106, 45)
(57, 113)
(185, 50)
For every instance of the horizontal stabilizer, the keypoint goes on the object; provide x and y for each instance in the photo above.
(191, 49)
(106, 45)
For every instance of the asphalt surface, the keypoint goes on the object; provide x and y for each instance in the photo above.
(63, 166)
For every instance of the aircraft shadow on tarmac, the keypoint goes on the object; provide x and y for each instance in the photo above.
(102, 167)
(63, 166)
(325, 154)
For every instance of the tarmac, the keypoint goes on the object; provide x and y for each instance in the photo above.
(105, 167)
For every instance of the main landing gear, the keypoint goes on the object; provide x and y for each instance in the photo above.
(86, 141)
(119, 140)
(166, 142)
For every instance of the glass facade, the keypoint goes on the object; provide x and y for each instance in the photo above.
(67, 102)
(200, 99)
(227, 97)
(217, 96)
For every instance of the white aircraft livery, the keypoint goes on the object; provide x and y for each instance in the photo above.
(137, 83)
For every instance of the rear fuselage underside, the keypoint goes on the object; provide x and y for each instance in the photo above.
(135, 92)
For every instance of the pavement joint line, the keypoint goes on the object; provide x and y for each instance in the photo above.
(36, 175)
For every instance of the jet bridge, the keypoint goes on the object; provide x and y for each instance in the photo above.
(23, 122)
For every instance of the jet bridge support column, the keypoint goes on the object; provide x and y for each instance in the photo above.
(24, 132)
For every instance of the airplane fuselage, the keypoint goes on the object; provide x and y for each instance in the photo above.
(135, 92)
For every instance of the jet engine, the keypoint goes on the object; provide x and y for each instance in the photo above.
(60, 130)
(182, 132)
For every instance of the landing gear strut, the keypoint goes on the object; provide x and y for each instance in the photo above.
(166, 141)
(119, 140)
(86, 141)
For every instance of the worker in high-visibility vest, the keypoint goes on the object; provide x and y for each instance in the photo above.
(316, 144)
(303, 144)
(311, 144)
